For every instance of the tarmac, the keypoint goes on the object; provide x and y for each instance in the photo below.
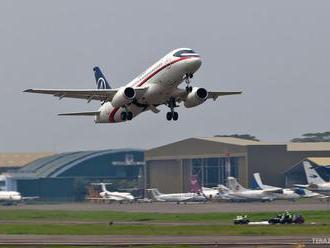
(139, 240)
(172, 207)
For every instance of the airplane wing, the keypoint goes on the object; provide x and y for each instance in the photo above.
(89, 95)
(301, 185)
(215, 94)
(30, 197)
(91, 113)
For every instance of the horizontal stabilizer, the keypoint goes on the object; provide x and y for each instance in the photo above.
(92, 113)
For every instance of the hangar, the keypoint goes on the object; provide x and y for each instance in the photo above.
(212, 159)
(297, 175)
(64, 176)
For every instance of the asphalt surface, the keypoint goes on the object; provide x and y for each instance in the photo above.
(171, 207)
(129, 240)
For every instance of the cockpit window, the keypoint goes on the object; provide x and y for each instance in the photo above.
(185, 53)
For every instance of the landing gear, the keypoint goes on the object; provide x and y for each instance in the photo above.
(123, 116)
(187, 80)
(129, 115)
(126, 115)
(172, 115)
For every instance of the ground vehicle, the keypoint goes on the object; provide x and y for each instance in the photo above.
(287, 218)
(241, 220)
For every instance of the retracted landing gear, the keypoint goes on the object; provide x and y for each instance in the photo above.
(187, 80)
(172, 115)
(126, 115)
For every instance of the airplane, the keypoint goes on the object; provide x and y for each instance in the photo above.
(112, 195)
(14, 197)
(315, 182)
(286, 194)
(157, 85)
(239, 192)
(176, 197)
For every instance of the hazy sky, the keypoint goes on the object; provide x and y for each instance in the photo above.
(276, 52)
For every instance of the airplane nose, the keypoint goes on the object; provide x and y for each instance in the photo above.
(193, 64)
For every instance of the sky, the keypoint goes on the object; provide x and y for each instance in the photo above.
(276, 52)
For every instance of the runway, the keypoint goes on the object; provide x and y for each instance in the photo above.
(160, 207)
(129, 240)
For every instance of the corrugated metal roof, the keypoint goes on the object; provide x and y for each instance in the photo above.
(322, 161)
(309, 146)
(20, 158)
(50, 166)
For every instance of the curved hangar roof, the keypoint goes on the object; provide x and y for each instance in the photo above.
(59, 164)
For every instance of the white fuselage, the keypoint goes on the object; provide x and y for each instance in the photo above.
(10, 196)
(117, 196)
(161, 80)
(323, 188)
(179, 197)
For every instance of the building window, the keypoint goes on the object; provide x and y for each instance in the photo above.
(214, 171)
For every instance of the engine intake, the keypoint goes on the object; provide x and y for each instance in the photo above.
(123, 97)
(196, 97)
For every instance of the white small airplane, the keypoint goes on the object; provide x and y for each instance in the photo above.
(315, 182)
(112, 195)
(156, 86)
(14, 197)
(286, 194)
(239, 192)
(176, 197)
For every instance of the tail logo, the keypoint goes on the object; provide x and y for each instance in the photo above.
(101, 83)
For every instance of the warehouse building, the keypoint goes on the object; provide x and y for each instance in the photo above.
(297, 175)
(170, 167)
(64, 177)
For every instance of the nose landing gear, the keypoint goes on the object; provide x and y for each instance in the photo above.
(187, 80)
(172, 115)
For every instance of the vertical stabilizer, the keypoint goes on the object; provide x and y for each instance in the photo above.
(233, 185)
(311, 174)
(257, 181)
(195, 186)
(101, 81)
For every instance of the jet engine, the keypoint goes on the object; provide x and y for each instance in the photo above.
(123, 97)
(196, 97)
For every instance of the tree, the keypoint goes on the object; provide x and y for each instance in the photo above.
(313, 137)
(240, 136)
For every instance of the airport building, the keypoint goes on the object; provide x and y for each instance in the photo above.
(296, 174)
(170, 167)
(64, 177)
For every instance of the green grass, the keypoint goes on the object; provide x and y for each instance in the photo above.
(310, 216)
(98, 229)
(213, 223)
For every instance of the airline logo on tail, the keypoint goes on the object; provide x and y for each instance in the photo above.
(101, 81)
(195, 187)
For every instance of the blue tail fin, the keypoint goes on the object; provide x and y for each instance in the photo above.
(101, 81)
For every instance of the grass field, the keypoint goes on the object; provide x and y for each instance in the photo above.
(213, 223)
(321, 217)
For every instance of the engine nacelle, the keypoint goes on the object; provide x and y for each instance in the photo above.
(123, 97)
(196, 97)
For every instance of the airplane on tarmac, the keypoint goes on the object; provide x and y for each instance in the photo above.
(286, 194)
(156, 86)
(112, 195)
(315, 182)
(237, 191)
(176, 197)
(14, 197)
